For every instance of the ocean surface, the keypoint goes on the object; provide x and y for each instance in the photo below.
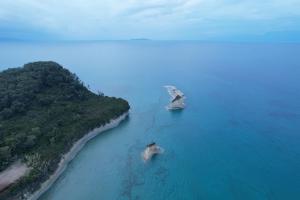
(238, 138)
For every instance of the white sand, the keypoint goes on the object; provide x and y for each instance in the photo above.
(12, 174)
(72, 153)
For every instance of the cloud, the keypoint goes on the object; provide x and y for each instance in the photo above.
(157, 19)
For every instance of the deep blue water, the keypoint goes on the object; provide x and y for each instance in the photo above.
(238, 138)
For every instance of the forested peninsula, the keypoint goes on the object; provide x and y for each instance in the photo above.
(44, 110)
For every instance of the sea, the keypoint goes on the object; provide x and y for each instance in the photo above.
(238, 137)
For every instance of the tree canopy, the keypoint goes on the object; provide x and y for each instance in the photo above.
(44, 109)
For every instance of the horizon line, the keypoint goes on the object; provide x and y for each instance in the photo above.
(147, 40)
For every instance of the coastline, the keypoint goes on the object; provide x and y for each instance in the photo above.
(70, 155)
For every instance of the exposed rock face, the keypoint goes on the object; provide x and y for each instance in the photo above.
(177, 98)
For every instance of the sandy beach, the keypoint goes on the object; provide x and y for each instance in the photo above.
(12, 174)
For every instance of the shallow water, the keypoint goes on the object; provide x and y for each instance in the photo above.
(237, 138)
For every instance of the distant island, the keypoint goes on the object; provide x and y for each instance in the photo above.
(140, 39)
(46, 116)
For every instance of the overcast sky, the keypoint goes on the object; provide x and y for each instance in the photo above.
(153, 19)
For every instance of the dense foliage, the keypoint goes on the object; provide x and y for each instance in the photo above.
(44, 109)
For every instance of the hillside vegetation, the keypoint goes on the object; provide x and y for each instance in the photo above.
(44, 109)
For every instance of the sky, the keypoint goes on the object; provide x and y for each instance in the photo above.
(216, 20)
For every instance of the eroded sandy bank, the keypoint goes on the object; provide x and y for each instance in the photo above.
(72, 153)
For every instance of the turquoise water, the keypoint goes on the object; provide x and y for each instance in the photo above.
(238, 138)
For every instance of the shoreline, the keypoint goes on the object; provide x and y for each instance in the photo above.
(70, 155)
